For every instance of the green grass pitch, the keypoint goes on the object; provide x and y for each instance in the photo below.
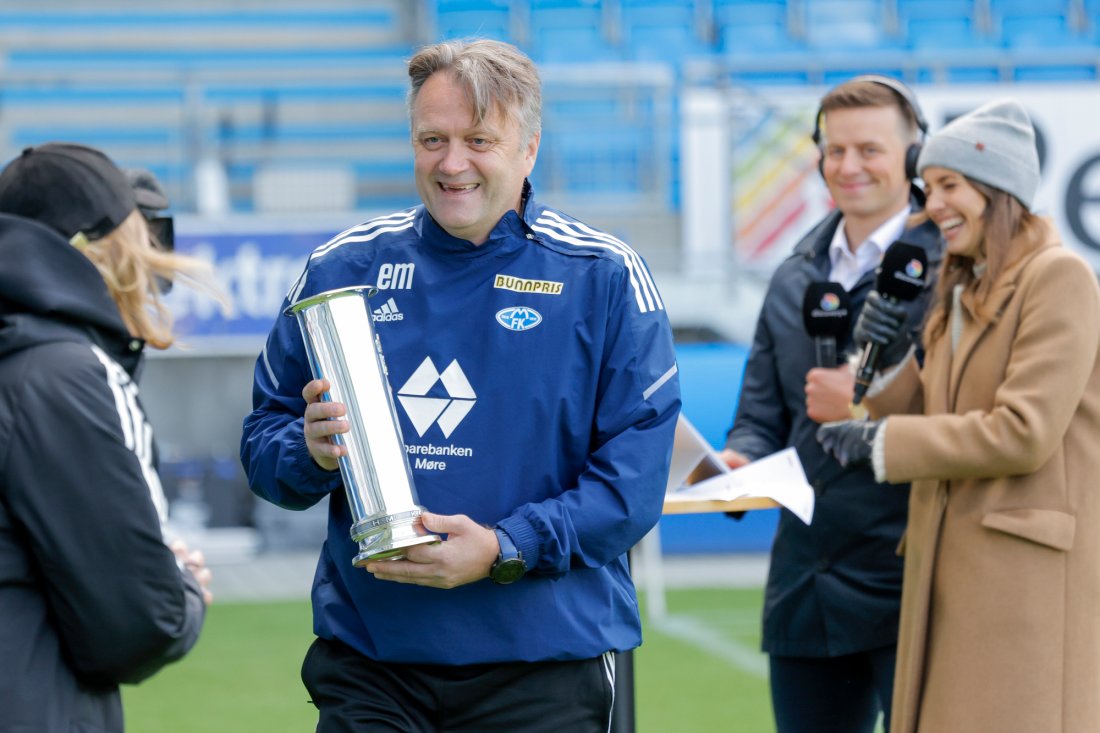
(699, 670)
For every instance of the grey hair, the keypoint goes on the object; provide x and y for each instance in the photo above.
(491, 73)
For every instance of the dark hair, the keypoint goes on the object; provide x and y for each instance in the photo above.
(1010, 232)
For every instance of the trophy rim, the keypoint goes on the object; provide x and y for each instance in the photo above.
(328, 295)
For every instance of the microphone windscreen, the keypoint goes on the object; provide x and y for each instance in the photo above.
(826, 310)
(903, 272)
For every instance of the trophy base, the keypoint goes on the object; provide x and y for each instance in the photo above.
(386, 537)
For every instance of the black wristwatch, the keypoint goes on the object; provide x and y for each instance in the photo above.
(509, 565)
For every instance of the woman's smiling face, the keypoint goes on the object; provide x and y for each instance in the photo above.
(957, 208)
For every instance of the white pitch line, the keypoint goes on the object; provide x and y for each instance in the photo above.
(705, 638)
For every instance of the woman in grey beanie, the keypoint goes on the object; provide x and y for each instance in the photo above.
(997, 432)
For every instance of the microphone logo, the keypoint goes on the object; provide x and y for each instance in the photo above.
(915, 269)
(830, 302)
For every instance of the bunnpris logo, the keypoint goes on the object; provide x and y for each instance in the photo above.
(915, 269)
(523, 285)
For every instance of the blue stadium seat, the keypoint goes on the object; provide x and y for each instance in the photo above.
(490, 22)
(941, 24)
(569, 31)
(845, 24)
(572, 45)
(1031, 31)
(660, 30)
(941, 9)
(940, 33)
(1031, 25)
(750, 27)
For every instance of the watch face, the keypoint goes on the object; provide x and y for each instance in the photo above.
(508, 571)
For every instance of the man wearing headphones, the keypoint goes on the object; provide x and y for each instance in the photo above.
(834, 587)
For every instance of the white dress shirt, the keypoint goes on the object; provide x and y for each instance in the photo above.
(847, 267)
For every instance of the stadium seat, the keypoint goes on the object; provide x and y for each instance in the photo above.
(489, 23)
(941, 24)
(845, 24)
(661, 30)
(749, 27)
(570, 31)
(940, 33)
(1029, 31)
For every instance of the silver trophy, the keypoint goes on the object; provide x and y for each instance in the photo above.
(343, 348)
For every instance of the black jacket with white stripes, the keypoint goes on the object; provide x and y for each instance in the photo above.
(90, 595)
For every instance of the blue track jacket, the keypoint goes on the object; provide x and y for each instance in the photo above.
(536, 387)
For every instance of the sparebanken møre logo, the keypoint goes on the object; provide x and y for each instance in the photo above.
(447, 412)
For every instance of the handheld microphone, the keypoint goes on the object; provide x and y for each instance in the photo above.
(826, 313)
(900, 277)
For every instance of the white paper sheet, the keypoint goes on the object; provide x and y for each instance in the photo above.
(778, 476)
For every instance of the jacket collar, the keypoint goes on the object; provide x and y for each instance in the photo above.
(511, 228)
(52, 292)
(815, 245)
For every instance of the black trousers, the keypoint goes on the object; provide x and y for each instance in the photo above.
(832, 694)
(355, 694)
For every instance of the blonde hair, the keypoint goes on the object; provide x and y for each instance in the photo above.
(130, 264)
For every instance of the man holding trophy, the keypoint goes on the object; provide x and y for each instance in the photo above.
(530, 379)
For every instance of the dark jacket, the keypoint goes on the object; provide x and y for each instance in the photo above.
(91, 596)
(834, 587)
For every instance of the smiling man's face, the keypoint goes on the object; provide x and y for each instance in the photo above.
(468, 174)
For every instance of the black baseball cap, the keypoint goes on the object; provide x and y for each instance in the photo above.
(148, 192)
(69, 187)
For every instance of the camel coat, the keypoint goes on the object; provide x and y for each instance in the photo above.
(1000, 619)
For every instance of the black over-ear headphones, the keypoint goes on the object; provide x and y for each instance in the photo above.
(907, 97)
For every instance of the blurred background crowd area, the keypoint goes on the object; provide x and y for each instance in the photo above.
(681, 126)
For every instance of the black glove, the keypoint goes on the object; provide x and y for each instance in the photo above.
(883, 322)
(851, 441)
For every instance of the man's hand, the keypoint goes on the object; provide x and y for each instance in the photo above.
(829, 393)
(466, 556)
(851, 441)
(732, 458)
(321, 423)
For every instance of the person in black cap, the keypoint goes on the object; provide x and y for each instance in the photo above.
(92, 594)
(151, 201)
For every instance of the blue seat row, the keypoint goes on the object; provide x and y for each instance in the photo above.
(672, 30)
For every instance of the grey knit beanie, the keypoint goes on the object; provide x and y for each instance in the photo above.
(994, 145)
